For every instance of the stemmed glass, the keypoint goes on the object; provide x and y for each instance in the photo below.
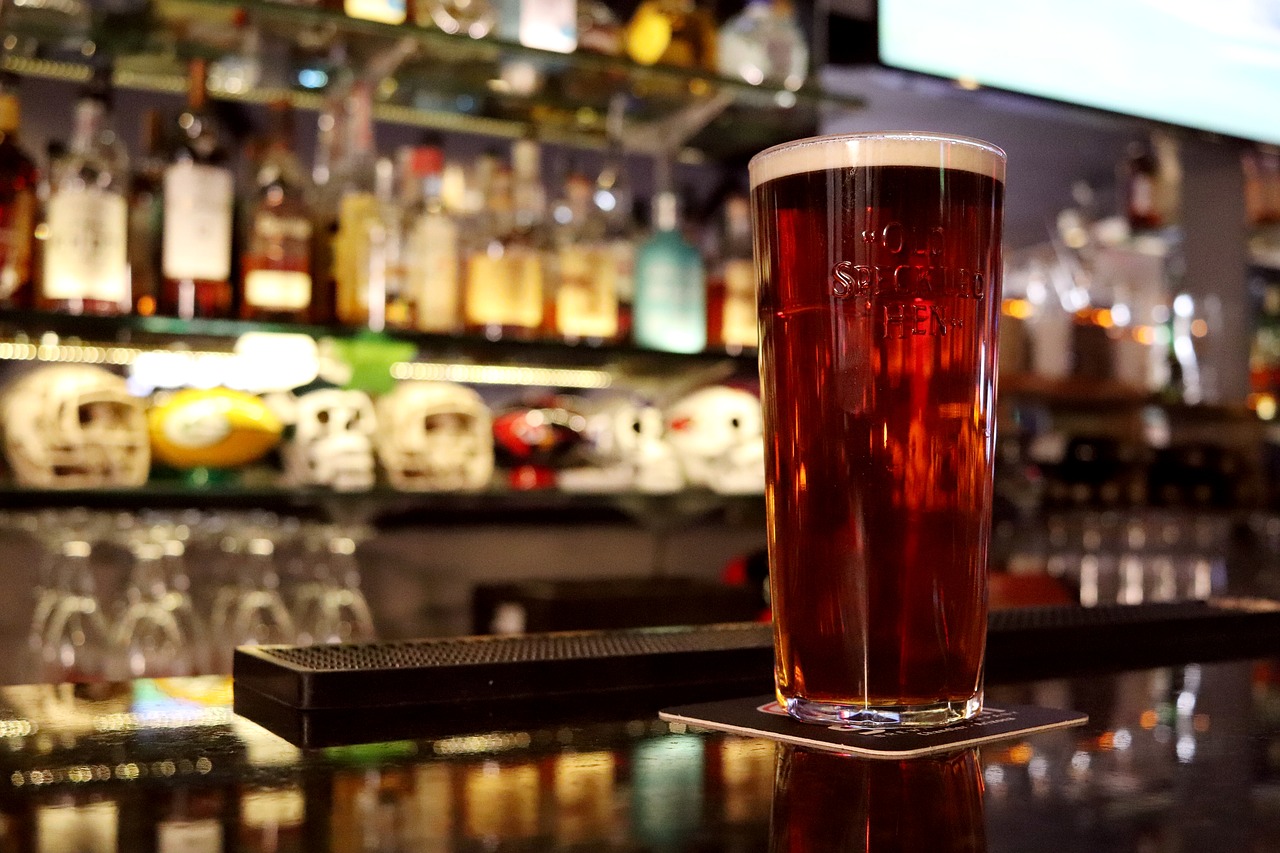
(76, 644)
(147, 635)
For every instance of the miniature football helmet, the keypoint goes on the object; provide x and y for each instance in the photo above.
(628, 451)
(72, 426)
(333, 441)
(435, 436)
(718, 436)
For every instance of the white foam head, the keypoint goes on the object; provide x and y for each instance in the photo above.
(849, 150)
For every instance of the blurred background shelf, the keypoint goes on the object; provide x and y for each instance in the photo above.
(446, 82)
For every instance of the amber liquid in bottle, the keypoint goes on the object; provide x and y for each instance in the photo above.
(277, 283)
(199, 201)
(18, 179)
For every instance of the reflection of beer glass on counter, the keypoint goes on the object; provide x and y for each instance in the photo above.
(833, 803)
(879, 261)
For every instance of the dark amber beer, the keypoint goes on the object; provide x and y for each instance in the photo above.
(879, 262)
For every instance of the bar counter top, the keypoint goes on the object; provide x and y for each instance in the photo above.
(1183, 757)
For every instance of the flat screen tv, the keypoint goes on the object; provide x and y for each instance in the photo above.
(1207, 65)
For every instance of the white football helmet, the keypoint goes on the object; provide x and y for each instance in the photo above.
(718, 435)
(435, 436)
(75, 426)
(333, 441)
(629, 451)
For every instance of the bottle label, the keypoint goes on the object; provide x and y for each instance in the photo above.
(87, 255)
(504, 288)
(549, 24)
(189, 836)
(587, 298)
(385, 11)
(433, 267)
(92, 827)
(670, 306)
(740, 304)
(278, 290)
(197, 223)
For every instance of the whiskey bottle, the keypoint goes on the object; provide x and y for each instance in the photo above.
(146, 216)
(199, 200)
(86, 262)
(355, 184)
(277, 261)
(432, 253)
(731, 289)
(18, 181)
(586, 299)
(506, 256)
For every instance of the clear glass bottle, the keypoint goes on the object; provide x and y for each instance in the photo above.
(146, 215)
(506, 256)
(432, 263)
(199, 203)
(599, 30)
(543, 24)
(731, 289)
(381, 263)
(670, 308)
(86, 261)
(764, 44)
(18, 181)
(672, 32)
(355, 185)
(277, 262)
(586, 296)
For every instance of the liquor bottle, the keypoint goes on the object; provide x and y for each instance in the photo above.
(381, 263)
(543, 24)
(474, 18)
(277, 262)
(764, 44)
(506, 255)
(18, 180)
(432, 260)
(86, 261)
(731, 290)
(599, 30)
(672, 32)
(146, 215)
(199, 199)
(1141, 183)
(670, 308)
(382, 11)
(355, 185)
(586, 297)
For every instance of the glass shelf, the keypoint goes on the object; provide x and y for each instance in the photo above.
(390, 508)
(448, 82)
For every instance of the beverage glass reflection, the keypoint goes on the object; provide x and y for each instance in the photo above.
(879, 262)
(824, 801)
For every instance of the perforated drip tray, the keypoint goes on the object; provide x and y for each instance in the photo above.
(454, 677)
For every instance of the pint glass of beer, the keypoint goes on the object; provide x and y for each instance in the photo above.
(879, 262)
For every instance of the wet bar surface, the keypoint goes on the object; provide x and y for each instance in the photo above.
(1178, 757)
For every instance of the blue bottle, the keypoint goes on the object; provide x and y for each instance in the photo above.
(669, 311)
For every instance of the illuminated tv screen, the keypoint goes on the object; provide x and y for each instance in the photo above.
(1211, 66)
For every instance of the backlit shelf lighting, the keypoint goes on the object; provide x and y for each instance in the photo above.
(502, 374)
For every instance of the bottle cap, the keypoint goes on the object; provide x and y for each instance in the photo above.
(426, 160)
